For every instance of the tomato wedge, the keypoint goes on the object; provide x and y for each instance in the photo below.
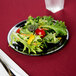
(40, 31)
(18, 30)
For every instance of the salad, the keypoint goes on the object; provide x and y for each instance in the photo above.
(38, 34)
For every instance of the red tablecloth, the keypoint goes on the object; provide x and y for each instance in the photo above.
(62, 63)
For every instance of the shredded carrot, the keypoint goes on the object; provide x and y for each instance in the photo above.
(45, 29)
(17, 38)
(25, 34)
(34, 43)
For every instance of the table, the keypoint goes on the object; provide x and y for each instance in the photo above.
(61, 63)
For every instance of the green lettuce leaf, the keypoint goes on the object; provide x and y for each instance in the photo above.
(51, 38)
(58, 27)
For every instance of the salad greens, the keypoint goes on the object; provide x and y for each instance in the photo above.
(32, 40)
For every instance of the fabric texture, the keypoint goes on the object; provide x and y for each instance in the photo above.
(61, 63)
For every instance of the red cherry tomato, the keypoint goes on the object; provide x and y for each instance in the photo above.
(40, 31)
(18, 30)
